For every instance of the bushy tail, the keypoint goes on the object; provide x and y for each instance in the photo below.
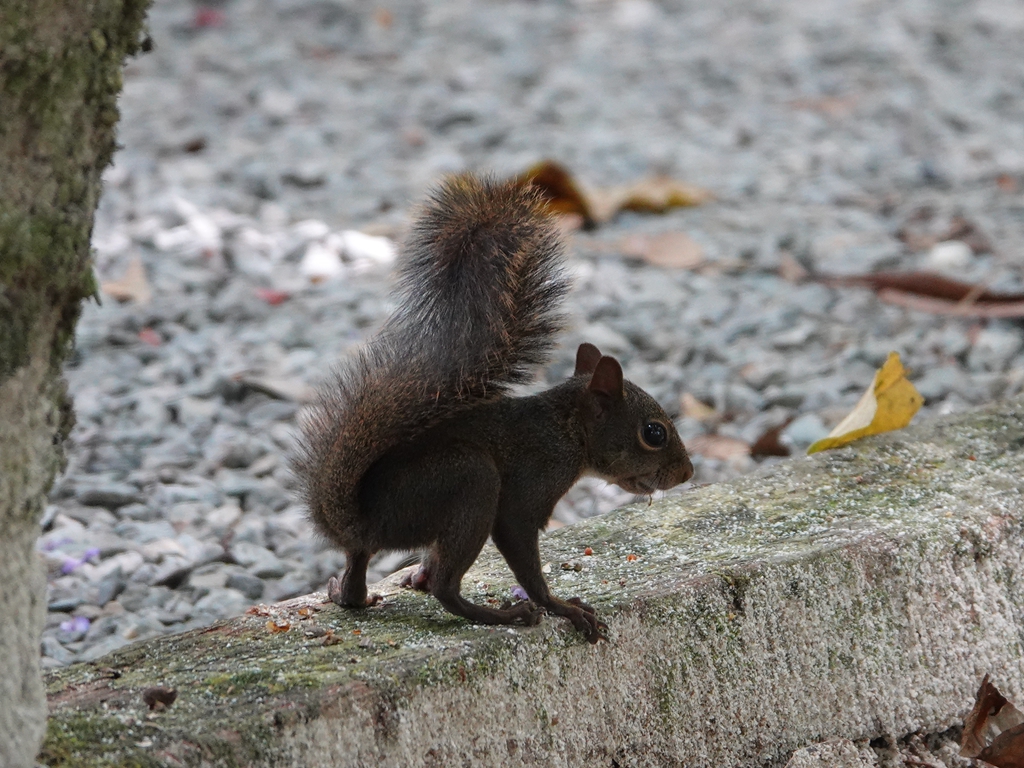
(479, 294)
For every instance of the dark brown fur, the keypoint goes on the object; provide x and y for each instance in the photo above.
(415, 443)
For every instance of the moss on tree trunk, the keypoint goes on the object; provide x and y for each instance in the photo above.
(60, 76)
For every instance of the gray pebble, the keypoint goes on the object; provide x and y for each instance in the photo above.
(939, 381)
(51, 647)
(108, 495)
(288, 586)
(222, 603)
(102, 647)
(249, 585)
(259, 561)
(994, 347)
(109, 588)
(144, 533)
(65, 604)
(805, 430)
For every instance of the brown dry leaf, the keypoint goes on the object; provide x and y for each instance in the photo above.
(695, 409)
(676, 250)
(257, 610)
(278, 625)
(1006, 182)
(717, 447)
(978, 309)
(331, 639)
(564, 196)
(931, 292)
(769, 443)
(157, 697)
(660, 193)
(133, 285)
(994, 729)
(1006, 750)
(654, 195)
(557, 186)
(791, 270)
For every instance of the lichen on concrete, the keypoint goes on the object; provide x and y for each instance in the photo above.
(58, 99)
(857, 594)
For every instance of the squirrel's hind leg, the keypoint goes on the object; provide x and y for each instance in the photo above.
(350, 591)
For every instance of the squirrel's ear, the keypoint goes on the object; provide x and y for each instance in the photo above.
(607, 378)
(587, 357)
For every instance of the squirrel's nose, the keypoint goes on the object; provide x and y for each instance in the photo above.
(673, 476)
(685, 471)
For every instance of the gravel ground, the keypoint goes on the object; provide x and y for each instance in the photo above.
(846, 137)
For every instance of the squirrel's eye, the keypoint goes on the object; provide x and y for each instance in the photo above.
(654, 434)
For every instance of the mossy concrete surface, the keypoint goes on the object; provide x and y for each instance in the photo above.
(858, 594)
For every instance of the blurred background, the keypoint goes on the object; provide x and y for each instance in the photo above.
(272, 155)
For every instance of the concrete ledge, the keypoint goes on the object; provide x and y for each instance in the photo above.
(858, 594)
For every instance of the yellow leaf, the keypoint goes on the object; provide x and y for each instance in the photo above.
(889, 403)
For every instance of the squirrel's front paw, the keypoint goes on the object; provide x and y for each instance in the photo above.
(582, 617)
(592, 627)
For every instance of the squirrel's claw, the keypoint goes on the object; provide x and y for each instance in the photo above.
(334, 593)
(582, 617)
(595, 629)
(530, 613)
(580, 604)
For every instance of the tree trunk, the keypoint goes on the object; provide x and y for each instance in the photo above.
(60, 76)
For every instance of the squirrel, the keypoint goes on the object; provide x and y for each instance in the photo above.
(416, 444)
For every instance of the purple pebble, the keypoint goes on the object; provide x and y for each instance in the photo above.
(76, 624)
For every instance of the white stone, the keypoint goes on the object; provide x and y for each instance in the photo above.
(310, 229)
(320, 263)
(949, 256)
(367, 250)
